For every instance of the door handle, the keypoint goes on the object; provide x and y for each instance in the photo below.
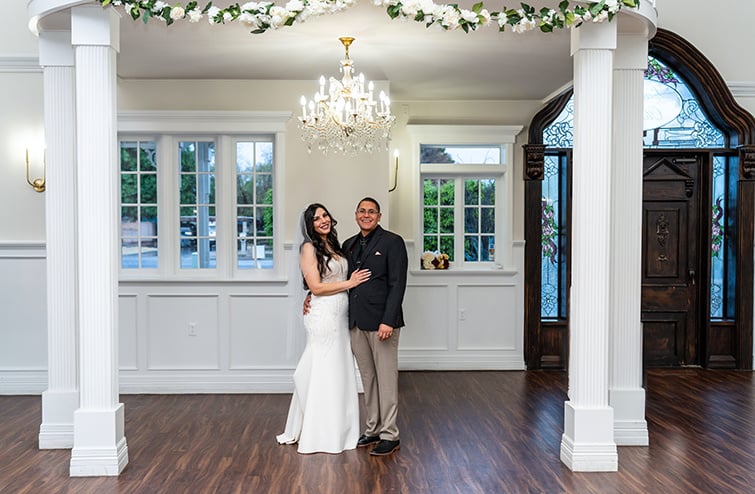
(692, 276)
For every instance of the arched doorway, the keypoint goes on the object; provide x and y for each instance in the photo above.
(699, 198)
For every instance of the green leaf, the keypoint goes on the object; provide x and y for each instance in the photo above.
(477, 8)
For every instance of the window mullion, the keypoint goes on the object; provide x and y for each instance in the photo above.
(459, 257)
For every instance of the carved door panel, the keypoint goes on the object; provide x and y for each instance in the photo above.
(670, 259)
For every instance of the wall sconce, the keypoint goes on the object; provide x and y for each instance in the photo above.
(395, 171)
(37, 184)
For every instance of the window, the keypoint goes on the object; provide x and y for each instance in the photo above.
(212, 194)
(465, 197)
(254, 204)
(138, 165)
(197, 204)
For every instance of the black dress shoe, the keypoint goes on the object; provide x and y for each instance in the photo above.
(385, 447)
(366, 440)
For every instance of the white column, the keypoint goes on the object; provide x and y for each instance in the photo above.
(587, 444)
(62, 395)
(626, 395)
(99, 446)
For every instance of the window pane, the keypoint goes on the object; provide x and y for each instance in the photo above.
(476, 155)
(431, 192)
(264, 156)
(148, 156)
(487, 223)
(430, 243)
(431, 220)
(447, 193)
(188, 189)
(129, 161)
(470, 249)
(149, 253)
(446, 220)
(471, 192)
(265, 221)
(148, 188)
(487, 250)
(487, 192)
(471, 220)
(447, 246)
(245, 157)
(245, 189)
(129, 191)
(264, 189)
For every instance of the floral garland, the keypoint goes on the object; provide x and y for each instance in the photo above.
(263, 16)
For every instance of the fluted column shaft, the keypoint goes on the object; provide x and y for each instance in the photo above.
(99, 441)
(626, 395)
(587, 443)
(61, 398)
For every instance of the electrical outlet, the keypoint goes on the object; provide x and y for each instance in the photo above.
(192, 329)
(462, 314)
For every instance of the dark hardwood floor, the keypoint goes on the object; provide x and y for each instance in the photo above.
(461, 432)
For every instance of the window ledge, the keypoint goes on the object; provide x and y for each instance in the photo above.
(497, 270)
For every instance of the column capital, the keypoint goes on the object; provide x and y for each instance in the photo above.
(593, 36)
(55, 49)
(631, 52)
(94, 25)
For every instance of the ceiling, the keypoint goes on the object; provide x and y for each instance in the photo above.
(420, 63)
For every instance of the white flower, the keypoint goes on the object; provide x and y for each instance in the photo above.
(211, 13)
(195, 15)
(502, 19)
(278, 17)
(227, 17)
(469, 16)
(613, 6)
(159, 6)
(177, 13)
(295, 6)
(249, 20)
(249, 6)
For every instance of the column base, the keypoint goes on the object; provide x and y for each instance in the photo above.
(56, 430)
(99, 447)
(630, 427)
(587, 444)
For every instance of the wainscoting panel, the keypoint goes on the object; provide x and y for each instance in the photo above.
(183, 332)
(259, 332)
(487, 317)
(128, 321)
(427, 312)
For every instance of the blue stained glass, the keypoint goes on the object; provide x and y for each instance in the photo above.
(551, 282)
(673, 116)
(718, 239)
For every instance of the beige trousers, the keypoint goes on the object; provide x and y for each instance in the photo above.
(378, 366)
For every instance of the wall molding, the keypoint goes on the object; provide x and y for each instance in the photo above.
(23, 250)
(23, 382)
(20, 65)
(742, 89)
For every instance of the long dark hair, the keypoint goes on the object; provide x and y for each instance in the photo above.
(323, 248)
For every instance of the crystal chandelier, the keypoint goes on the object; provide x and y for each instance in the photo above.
(346, 119)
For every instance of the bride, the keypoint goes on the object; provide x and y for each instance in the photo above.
(324, 411)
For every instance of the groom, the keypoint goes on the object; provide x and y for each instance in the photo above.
(375, 320)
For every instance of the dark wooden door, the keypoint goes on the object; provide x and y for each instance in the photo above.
(671, 267)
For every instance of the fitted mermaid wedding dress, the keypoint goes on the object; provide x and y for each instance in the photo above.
(324, 411)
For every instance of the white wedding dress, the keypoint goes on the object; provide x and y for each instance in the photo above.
(324, 411)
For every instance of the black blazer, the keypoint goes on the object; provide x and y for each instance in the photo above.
(379, 299)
